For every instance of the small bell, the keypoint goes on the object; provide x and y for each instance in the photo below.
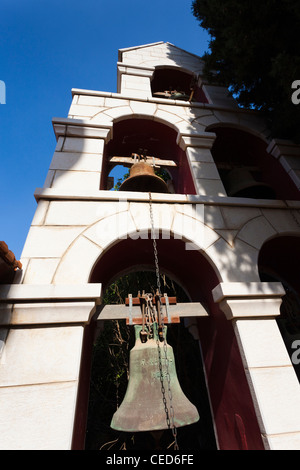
(142, 178)
(240, 183)
(143, 406)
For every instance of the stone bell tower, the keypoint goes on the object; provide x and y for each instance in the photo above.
(228, 232)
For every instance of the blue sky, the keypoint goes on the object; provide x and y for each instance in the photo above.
(50, 47)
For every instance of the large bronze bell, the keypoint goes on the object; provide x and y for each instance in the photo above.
(143, 406)
(240, 183)
(142, 178)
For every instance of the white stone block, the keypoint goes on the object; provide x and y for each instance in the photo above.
(135, 83)
(60, 142)
(86, 111)
(84, 145)
(76, 161)
(116, 102)
(40, 213)
(207, 120)
(162, 216)
(196, 211)
(213, 217)
(193, 232)
(81, 212)
(143, 108)
(107, 231)
(203, 170)
(76, 179)
(292, 161)
(168, 117)
(295, 176)
(49, 179)
(234, 264)
(277, 394)
(136, 87)
(209, 187)
(37, 417)
(41, 355)
(190, 128)
(290, 441)
(49, 313)
(40, 271)
(256, 231)
(16, 293)
(5, 317)
(237, 217)
(261, 343)
(117, 112)
(282, 221)
(90, 100)
(49, 242)
(83, 253)
(72, 213)
(248, 290)
(196, 154)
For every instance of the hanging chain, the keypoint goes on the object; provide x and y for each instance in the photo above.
(154, 246)
(169, 412)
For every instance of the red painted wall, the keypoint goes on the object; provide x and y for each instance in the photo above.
(234, 414)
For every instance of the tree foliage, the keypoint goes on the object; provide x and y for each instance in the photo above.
(254, 50)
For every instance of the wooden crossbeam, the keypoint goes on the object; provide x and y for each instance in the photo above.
(177, 311)
(154, 161)
(137, 300)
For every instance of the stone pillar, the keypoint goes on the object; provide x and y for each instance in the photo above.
(77, 160)
(288, 155)
(134, 81)
(253, 308)
(41, 329)
(203, 168)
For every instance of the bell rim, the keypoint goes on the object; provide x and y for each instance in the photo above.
(151, 177)
(256, 184)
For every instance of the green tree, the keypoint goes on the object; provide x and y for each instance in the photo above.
(254, 50)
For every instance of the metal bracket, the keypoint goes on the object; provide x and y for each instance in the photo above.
(130, 308)
(167, 307)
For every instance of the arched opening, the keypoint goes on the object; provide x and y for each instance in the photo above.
(279, 260)
(153, 140)
(136, 256)
(223, 397)
(247, 169)
(175, 84)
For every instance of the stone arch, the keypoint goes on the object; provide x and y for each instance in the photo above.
(270, 224)
(159, 137)
(197, 274)
(168, 78)
(132, 223)
(244, 149)
(253, 126)
(279, 256)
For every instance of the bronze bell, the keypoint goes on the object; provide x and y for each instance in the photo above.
(142, 178)
(240, 183)
(143, 406)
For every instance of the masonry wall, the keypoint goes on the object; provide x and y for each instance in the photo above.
(77, 220)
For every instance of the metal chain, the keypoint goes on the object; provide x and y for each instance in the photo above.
(170, 412)
(154, 245)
